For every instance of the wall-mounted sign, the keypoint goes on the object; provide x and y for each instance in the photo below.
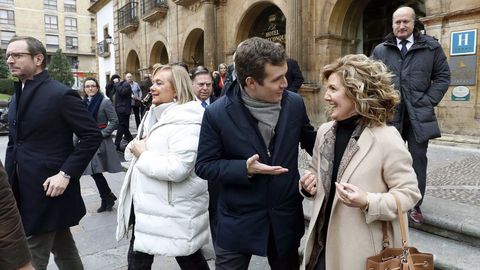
(463, 70)
(463, 42)
(460, 93)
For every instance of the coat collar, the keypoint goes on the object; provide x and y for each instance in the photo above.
(29, 90)
(245, 121)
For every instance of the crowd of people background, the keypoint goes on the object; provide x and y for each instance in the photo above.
(215, 156)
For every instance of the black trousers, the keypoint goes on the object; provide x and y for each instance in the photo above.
(102, 185)
(138, 112)
(123, 129)
(419, 156)
(142, 261)
(233, 260)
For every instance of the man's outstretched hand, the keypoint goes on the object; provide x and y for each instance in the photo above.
(256, 167)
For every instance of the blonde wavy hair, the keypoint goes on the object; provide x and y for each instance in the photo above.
(180, 80)
(368, 84)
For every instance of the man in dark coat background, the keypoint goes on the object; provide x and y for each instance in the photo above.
(123, 108)
(249, 147)
(422, 76)
(43, 165)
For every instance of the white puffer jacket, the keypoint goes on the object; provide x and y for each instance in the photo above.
(170, 200)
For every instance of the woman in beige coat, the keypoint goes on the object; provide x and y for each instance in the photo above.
(358, 164)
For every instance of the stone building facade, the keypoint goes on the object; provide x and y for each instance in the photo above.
(315, 32)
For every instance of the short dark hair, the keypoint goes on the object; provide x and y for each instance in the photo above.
(253, 54)
(199, 70)
(34, 47)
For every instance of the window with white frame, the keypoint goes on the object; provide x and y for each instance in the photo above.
(51, 42)
(70, 5)
(50, 4)
(70, 24)
(71, 42)
(5, 37)
(7, 17)
(6, 1)
(51, 22)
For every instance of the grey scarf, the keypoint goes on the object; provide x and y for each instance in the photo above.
(266, 113)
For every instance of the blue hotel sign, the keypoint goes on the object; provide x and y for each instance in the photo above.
(463, 42)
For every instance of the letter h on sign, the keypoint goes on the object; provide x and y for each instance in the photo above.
(463, 42)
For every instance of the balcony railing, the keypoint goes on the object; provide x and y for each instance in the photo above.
(184, 2)
(153, 10)
(128, 18)
(103, 49)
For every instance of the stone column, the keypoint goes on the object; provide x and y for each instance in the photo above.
(209, 38)
(294, 31)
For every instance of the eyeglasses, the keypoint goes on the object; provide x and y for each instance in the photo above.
(16, 56)
(90, 86)
(207, 84)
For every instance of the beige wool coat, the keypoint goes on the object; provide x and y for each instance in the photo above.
(378, 162)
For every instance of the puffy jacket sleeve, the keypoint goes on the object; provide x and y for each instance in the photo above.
(440, 77)
(178, 163)
(399, 177)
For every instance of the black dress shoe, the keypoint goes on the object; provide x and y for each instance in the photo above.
(416, 215)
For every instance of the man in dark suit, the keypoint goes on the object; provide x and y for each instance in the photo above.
(422, 76)
(249, 147)
(202, 85)
(123, 108)
(43, 165)
(294, 74)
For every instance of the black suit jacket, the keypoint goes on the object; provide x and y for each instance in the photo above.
(294, 75)
(42, 123)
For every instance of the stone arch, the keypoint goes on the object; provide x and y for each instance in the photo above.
(158, 54)
(193, 48)
(251, 16)
(133, 65)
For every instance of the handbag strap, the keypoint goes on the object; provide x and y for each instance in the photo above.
(407, 257)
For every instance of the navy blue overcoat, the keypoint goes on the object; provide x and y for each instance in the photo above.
(42, 123)
(249, 209)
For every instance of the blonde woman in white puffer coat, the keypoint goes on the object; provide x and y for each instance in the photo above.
(162, 200)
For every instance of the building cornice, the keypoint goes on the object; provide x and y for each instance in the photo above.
(99, 4)
(449, 15)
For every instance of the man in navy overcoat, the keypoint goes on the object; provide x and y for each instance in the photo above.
(43, 165)
(249, 146)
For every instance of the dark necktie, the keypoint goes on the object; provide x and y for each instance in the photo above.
(404, 50)
(204, 104)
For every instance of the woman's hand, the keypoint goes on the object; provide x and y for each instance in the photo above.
(309, 183)
(138, 147)
(351, 195)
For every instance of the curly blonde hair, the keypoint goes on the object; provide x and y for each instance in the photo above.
(368, 84)
(180, 80)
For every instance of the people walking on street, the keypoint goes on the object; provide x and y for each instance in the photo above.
(123, 108)
(14, 253)
(358, 164)
(249, 147)
(422, 76)
(162, 197)
(219, 79)
(137, 106)
(106, 158)
(43, 165)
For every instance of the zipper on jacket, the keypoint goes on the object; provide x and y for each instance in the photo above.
(169, 195)
(268, 152)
